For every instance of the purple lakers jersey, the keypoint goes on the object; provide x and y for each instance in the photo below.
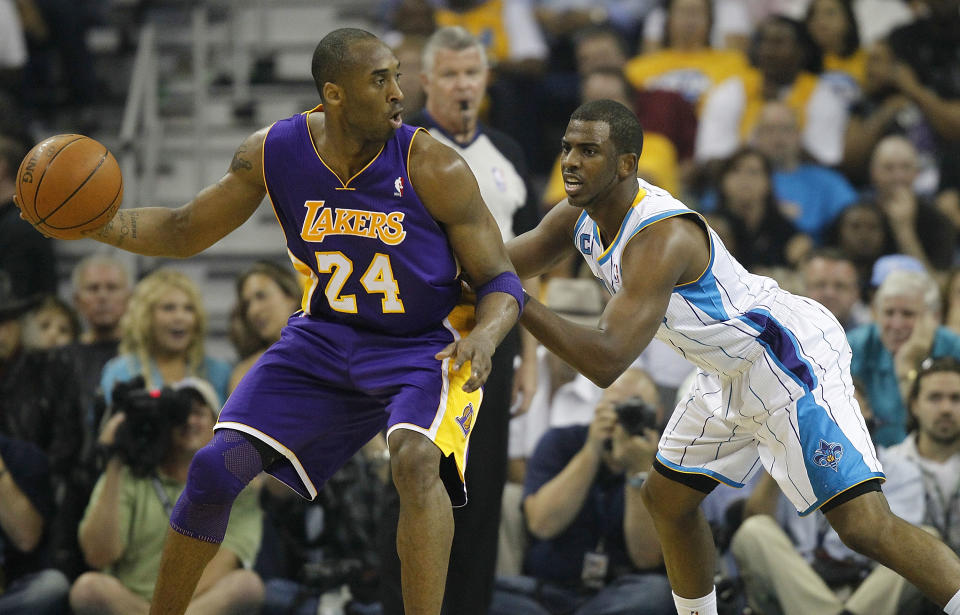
(374, 256)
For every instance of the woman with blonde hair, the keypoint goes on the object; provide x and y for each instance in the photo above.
(162, 336)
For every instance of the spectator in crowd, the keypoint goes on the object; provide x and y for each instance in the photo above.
(951, 301)
(862, 232)
(163, 334)
(888, 352)
(454, 77)
(101, 285)
(785, 67)
(830, 278)
(101, 288)
(27, 585)
(934, 444)
(41, 400)
(267, 295)
(152, 438)
(686, 63)
(599, 48)
(810, 194)
(60, 66)
(917, 228)
(793, 565)
(594, 548)
(929, 48)
(887, 107)
(563, 397)
(13, 48)
(564, 18)
(27, 256)
(730, 25)
(833, 27)
(764, 237)
(52, 324)
(311, 549)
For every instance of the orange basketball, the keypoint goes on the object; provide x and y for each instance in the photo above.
(69, 184)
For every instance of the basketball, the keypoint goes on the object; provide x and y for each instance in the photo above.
(69, 184)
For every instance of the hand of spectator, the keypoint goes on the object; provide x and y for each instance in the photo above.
(108, 434)
(905, 79)
(524, 387)
(901, 208)
(948, 203)
(601, 428)
(797, 248)
(634, 453)
(918, 345)
(894, 104)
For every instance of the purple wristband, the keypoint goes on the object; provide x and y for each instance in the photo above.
(506, 282)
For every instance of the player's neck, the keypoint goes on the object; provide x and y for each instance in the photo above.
(344, 153)
(610, 209)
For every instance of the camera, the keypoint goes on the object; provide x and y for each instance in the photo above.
(144, 437)
(636, 415)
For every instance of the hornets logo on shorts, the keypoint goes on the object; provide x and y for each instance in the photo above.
(828, 455)
(466, 419)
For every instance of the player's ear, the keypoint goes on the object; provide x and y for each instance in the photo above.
(627, 165)
(332, 93)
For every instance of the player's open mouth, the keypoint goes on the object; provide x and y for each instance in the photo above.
(571, 184)
(396, 119)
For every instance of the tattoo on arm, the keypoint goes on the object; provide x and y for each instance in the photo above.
(116, 231)
(239, 161)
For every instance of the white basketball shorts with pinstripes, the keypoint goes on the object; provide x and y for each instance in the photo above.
(791, 409)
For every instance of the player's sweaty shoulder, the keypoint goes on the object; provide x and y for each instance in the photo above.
(437, 172)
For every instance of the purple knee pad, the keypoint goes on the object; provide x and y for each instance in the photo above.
(218, 473)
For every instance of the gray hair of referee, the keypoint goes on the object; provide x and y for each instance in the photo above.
(454, 38)
(910, 284)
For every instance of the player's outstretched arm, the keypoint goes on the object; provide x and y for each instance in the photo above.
(212, 214)
(539, 249)
(667, 253)
(450, 193)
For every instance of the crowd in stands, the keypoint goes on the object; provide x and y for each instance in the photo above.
(819, 138)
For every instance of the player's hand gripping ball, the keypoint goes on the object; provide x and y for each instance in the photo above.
(69, 185)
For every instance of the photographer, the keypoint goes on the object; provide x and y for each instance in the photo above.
(593, 548)
(151, 439)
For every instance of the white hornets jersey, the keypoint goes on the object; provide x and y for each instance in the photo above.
(774, 383)
(714, 321)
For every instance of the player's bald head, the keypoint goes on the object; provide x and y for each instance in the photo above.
(335, 55)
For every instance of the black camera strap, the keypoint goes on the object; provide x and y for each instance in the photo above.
(162, 495)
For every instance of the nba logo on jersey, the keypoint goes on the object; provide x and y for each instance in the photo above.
(398, 187)
(466, 419)
(828, 455)
(585, 243)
